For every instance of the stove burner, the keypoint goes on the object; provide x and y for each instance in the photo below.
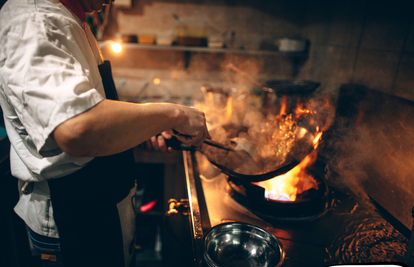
(309, 205)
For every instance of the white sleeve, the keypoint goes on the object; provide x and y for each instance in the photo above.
(46, 75)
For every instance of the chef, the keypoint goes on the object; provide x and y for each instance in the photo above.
(70, 138)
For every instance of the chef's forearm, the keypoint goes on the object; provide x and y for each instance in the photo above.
(112, 127)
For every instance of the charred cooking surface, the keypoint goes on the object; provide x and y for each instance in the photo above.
(348, 232)
(373, 240)
(308, 205)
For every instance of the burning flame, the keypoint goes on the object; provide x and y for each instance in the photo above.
(272, 136)
(316, 140)
(287, 186)
(283, 107)
(229, 108)
(300, 110)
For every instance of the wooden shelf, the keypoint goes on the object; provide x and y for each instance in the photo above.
(209, 50)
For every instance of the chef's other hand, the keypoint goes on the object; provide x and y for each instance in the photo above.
(193, 130)
(157, 143)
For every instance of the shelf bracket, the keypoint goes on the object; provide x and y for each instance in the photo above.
(187, 59)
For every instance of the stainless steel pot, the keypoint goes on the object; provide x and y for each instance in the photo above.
(241, 244)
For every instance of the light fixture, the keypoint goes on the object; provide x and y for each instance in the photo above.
(115, 46)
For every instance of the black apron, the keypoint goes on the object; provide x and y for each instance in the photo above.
(85, 203)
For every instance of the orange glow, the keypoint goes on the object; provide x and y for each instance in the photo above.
(229, 108)
(287, 186)
(300, 109)
(116, 47)
(316, 140)
(157, 81)
(273, 137)
(292, 183)
(283, 107)
(210, 96)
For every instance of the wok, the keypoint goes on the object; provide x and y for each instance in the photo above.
(224, 159)
(287, 87)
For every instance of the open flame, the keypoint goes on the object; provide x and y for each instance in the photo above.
(229, 108)
(271, 136)
(288, 186)
(283, 107)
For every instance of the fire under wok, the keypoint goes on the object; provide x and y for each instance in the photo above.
(267, 141)
(247, 161)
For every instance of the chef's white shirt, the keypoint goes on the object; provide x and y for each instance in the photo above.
(48, 74)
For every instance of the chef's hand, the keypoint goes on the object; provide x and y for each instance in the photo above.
(157, 143)
(192, 130)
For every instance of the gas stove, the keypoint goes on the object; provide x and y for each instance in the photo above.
(333, 224)
(339, 230)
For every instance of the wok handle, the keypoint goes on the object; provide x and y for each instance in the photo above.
(178, 145)
(209, 142)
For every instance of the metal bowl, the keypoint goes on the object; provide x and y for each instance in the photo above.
(241, 244)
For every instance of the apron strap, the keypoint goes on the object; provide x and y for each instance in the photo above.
(107, 80)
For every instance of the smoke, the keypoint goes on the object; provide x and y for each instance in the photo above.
(345, 150)
(368, 150)
(271, 139)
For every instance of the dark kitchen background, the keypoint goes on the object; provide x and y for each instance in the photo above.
(361, 53)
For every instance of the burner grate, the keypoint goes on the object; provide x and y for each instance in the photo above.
(309, 205)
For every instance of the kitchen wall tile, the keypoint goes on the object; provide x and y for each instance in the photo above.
(329, 65)
(386, 26)
(317, 23)
(275, 28)
(376, 69)
(409, 45)
(333, 28)
(335, 23)
(145, 58)
(255, 67)
(245, 22)
(283, 19)
(313, 67)
(303, 72)
(346, 22)
(404, 86)
(146, 19)
(334, 66)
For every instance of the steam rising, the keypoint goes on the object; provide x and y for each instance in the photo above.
(369, 149)
(346, 152)
(269, 140)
